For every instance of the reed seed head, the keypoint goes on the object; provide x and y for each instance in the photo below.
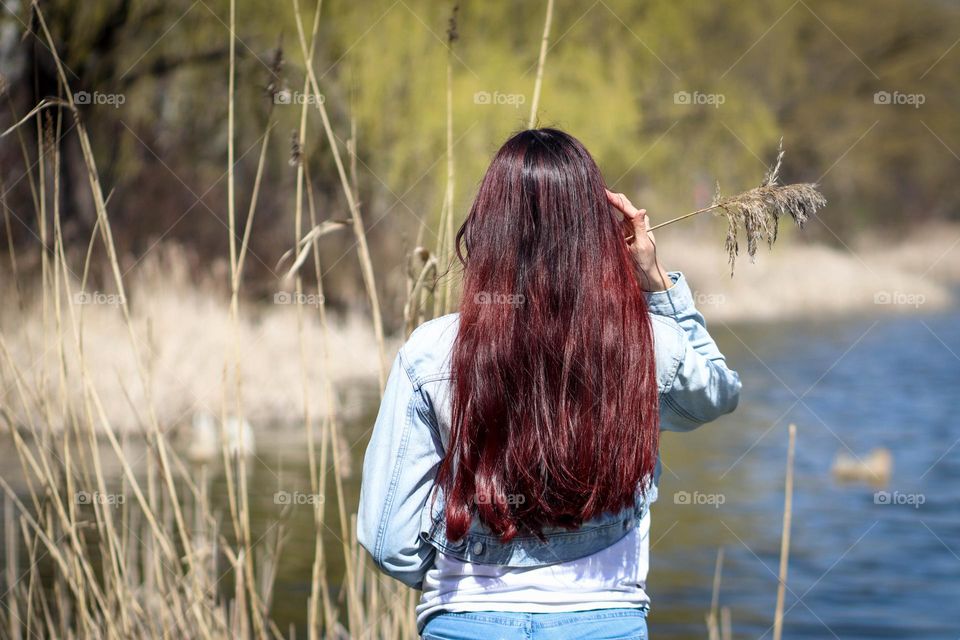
(758, 211)
(452, 33)
(296, 152)
(276, 82)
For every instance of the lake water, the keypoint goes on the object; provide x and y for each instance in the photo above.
(860, 566)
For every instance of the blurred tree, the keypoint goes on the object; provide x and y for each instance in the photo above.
(668, 95)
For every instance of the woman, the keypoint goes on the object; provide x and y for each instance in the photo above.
(515, 456)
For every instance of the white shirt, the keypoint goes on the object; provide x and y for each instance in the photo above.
(614, 577)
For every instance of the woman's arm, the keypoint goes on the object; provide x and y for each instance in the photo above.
(704, 388)
(399, 469)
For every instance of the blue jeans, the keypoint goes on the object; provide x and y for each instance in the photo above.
(597, 624)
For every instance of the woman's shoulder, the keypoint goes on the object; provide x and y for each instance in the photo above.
(426, 353)
(442, 329)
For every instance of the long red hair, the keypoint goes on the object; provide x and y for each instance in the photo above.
(554, 396)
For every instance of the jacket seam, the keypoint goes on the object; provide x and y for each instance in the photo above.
(405, 365)
(417, 381)
(420, 381)
(672, 378)
(676, 360)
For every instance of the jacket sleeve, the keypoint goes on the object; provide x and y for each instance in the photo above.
(399, 469)
(703, 388)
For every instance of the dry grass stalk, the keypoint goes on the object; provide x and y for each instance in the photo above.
(785, 536)
(445, 251)
(713, 626)
(538, 83)
(240, 504)
(319, 591)
(421, 280)
(305, 245)
(111, 251)
(366, 264)
(107, 237)
(758, 211)
(331, 436)
(141, 583)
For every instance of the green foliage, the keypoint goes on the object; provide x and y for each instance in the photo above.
(805, 71)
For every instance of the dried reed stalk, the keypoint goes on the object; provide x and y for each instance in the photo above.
(366, 264)
(713, 625)
(422, 267)
(446, 251)
(319, 599)
(785, 536)
(538, 82)
(240, 505)
(356, 615)
(157, 436)
(109, 600)
(758, 211)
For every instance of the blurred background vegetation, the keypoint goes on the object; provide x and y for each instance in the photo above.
(806, 70)
(670, 96)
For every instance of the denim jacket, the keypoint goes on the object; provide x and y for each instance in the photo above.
(403, 528)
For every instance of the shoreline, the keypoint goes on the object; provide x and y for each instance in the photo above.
(795, 281)
(185, 335)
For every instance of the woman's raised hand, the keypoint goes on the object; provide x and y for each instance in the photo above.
(642, 243)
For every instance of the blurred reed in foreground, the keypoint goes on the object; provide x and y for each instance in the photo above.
(150, 557)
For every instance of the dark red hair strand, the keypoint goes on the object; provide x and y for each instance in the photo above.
(554, 396)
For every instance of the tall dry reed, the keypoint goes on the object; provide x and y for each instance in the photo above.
(150, 557)
(758, 211)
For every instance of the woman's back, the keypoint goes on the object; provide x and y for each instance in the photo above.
(517, 446)
(413, 431)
